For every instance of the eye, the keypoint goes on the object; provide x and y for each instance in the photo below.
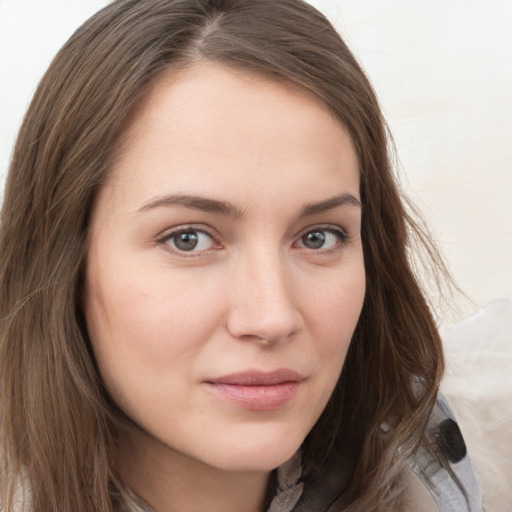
(188, 240)
(322, 238)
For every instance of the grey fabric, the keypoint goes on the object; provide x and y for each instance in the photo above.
(444, 489)
(289, 486)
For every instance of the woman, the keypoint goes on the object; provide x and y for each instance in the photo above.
(205, 278)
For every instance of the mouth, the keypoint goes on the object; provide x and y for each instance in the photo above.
(257, 390)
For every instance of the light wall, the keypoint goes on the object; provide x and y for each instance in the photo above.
(443, 72)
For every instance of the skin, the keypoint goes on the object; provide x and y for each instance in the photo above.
(253, 294)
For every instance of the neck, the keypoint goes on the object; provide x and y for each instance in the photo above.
(170, 481)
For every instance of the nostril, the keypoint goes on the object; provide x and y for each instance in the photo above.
(258, 339)
(263, 328)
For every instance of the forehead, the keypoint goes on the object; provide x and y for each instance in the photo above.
(211, 126)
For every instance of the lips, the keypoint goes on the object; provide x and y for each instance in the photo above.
(257, 390)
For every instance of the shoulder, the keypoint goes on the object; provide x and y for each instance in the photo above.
(443, 464)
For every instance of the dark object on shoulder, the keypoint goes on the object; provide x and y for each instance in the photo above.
(450, 441)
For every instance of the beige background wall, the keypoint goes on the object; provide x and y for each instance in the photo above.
(443, 72)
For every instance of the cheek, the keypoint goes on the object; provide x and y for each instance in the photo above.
(147, 325)
(332, 312)
(334, 307)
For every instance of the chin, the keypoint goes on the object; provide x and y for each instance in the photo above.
(255, 463)
(256, 454)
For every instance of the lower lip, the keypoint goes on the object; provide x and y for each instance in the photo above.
(256, 398)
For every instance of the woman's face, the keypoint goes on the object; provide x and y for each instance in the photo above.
(225, 271)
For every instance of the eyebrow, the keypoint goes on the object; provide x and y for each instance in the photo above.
(195, 203)
(229, 209)
(329, 204)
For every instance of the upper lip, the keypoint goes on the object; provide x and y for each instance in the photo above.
(258, 378)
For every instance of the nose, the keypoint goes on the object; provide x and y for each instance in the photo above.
(263, 300)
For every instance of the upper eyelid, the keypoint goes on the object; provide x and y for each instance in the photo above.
(324, 227)
(169, 232)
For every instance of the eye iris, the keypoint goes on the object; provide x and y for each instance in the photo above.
(186, 241)
(314, 239)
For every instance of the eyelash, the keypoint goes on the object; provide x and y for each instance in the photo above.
(342, 238)
(341, 235)
(163, 240)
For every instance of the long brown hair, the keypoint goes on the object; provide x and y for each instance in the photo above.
(58, 425)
